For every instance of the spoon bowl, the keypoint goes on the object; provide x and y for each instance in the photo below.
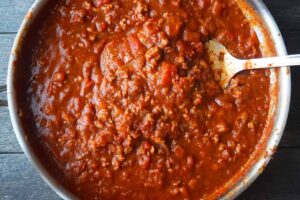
(227, 66)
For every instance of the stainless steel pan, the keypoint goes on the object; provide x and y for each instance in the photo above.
(271, 43)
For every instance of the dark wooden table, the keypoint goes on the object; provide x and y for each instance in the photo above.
(280, 180)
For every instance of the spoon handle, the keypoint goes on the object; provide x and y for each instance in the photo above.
(271, 62)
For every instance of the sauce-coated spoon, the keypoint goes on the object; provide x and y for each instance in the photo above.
(228, 66)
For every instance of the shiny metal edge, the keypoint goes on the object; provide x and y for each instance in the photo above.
(282, 109)
(277, 131)
(13, 108)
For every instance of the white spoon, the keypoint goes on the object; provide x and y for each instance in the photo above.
(228, 66)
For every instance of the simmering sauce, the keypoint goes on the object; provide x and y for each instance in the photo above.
(121, 98)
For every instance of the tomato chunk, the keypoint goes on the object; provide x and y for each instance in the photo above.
(168, 72)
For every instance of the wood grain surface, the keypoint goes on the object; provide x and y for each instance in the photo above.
(280, 180)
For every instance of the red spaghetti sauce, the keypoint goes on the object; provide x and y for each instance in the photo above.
(121, 98)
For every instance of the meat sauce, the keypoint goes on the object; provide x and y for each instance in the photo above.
(122, 99)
